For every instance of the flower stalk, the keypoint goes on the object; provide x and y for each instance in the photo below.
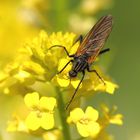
(63, 115)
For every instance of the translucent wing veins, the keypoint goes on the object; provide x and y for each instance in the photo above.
(95, 38)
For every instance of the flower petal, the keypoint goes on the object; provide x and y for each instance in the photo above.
(91, 113)
(32, 121)
(93, 128)
(62, 63)
(116, 119)
(110, 87)
(47, 121)
(63, 82)
(74, 48)
(75, 83)
(82, 129)
(22, 75)
(47, 103)
(31, 99)
(76, 114)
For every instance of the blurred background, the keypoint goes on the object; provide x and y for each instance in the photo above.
(23, 19)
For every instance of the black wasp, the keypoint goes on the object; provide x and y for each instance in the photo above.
(90, 47)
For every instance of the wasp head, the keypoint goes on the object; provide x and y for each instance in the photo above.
(72, 73)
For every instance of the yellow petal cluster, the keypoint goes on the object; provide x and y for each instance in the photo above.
(41, 114)
(86, 123)
(39, 63)
(17, 124)
(110, 115)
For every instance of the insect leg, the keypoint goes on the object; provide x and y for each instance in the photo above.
(96, 74)
(105, 50)
(65, 66)
(60, 46)
(75, 90)
(80, 38)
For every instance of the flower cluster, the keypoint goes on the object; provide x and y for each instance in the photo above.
(41, 114)
(33, 75)
(86, 123)
(90, 124)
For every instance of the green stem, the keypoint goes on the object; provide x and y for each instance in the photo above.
(63, 115)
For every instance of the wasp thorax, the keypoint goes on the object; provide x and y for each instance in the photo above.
(72, 73)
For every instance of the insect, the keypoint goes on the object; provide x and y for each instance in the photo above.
(90, 47)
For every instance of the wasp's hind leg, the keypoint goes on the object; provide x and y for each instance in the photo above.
(104, 51)
(96, 74)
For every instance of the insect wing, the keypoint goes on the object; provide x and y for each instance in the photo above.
(95, 39)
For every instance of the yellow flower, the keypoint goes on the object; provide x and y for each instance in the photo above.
(42, 114)
(16, 124)
(109, 87)
(33, 68)
(116, 119)
(63, 79)
(86, 123)
(49, 59)
(23, 76)
(53, 135)
(110, 117)
(37, 63)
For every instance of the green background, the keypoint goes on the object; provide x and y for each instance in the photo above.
(126, 66)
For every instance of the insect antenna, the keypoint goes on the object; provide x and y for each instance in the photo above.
(68, 104)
